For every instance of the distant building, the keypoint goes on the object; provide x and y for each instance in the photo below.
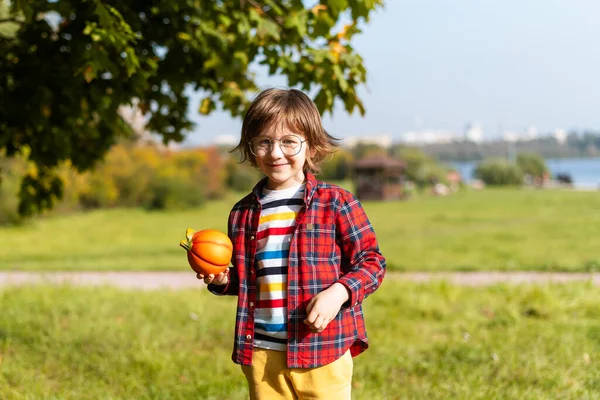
(474, 133)
(510, 136)
(353, 141)
(428, 136)
(560, 135)
(531, 133)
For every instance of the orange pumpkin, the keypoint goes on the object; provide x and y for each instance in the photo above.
(209, 251)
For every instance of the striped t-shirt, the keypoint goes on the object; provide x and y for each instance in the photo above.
(275, 229)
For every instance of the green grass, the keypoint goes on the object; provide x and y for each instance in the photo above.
(428, 341)
(504, 229)
(493, 229)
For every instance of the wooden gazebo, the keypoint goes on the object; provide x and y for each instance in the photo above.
(379, 177)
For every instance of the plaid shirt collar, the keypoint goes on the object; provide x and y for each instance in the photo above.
(311, 187)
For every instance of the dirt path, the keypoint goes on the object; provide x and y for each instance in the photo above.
(176, 280)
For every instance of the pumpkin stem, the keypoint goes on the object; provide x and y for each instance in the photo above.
(185, 244)
(189, 234)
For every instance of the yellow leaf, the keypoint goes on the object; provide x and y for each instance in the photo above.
(337, 47)
(184, 36)
(206, 106)
(89, 74)
(342, 34)
(46, 111)
(318, 7)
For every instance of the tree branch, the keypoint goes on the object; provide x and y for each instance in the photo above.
(277, 20)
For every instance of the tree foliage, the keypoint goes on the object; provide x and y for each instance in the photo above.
(67, 66)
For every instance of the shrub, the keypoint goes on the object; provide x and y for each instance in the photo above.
(496, 171)
(171, 192)
(134, 176)
(13, 170)
(99, 191)
(337, 168)
(130, 176)
(532, 164)
(421, 169)
(240, 177)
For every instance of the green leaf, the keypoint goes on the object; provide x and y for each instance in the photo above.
(339, 74)
(89, 73)
(224, 20)
(337, 6)
(207, 105)
(241, 56)
(268, 29)
(23, 7)
(89, 27)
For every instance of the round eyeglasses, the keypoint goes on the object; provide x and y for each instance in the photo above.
(290, 145)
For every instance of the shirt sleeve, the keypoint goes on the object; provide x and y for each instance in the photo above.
(363, 265)
(231, 287)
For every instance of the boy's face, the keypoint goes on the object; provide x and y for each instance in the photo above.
(274, 152)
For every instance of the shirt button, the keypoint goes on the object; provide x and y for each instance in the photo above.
(251, 272)
(248, 337)
(251, 304)
(251, 237)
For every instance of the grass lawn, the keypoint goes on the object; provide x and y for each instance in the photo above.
(494, 229)
(428, 341)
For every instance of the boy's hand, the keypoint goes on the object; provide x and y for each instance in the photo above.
(324, 307)
(220, 279)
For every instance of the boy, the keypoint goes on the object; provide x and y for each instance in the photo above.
(304, 258)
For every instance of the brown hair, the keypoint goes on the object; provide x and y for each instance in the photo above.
(274, 108)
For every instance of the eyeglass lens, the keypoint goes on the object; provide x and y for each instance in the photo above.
(289, 145)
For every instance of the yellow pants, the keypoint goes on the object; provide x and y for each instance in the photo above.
(269, 378)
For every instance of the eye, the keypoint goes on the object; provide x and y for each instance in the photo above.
(290, 141)
(262, 142)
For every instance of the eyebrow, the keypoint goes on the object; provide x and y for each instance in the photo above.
(287, 134)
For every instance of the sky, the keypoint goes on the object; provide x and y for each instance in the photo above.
(443, 64)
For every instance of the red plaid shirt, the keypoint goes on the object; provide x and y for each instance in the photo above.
(333, 242)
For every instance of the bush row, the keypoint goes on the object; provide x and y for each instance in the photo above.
(136, 176)
(498, 171)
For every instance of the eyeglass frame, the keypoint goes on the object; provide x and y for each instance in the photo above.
(272, 143)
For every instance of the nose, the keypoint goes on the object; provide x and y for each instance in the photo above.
(275, 150)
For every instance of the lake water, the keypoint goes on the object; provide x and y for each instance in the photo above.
(585, 172)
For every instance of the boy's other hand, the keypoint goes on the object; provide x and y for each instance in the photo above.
(324, 307)
(220, 279)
